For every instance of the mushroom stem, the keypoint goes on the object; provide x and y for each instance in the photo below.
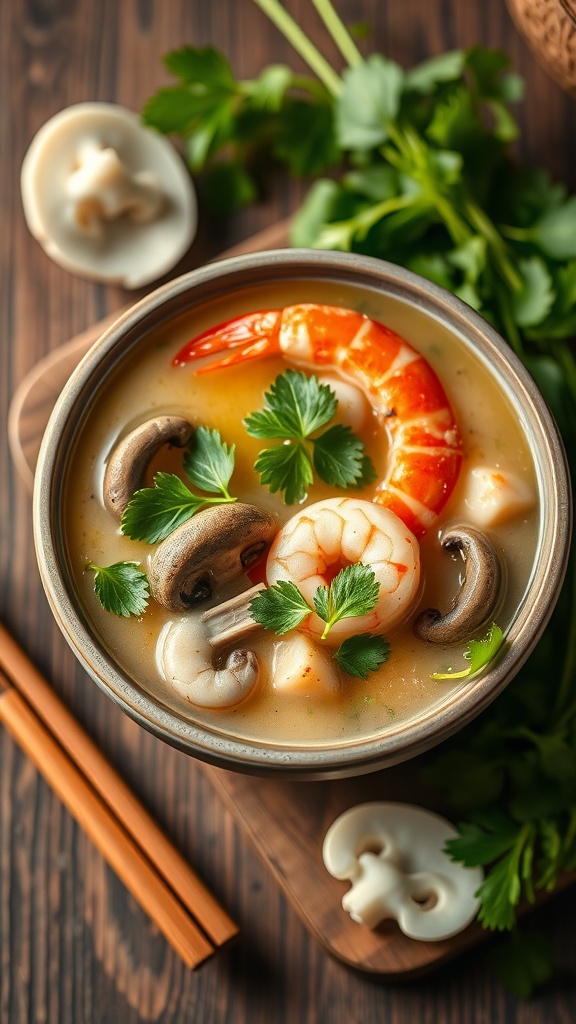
(480, 590)
(127, 465)
(230, 622)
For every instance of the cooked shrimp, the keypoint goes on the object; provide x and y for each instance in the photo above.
(425, 449)
(313, 546)
(184, 659)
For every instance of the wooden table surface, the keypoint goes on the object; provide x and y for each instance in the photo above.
(74, 947)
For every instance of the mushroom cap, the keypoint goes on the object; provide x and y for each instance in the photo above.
(481, 589)
(216, 545)
(129, 252)
(394, 856)
(129, 460)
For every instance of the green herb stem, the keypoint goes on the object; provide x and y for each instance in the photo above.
(299, 40)
(339, 33)
(366, 219)
(455, 225)
(515, 234)
(484, 225)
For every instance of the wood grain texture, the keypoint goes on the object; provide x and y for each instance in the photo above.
(74, 946)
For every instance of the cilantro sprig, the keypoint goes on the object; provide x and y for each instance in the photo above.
(295, 408)
(362, 653)
(122, 588)
(353, 592)
(479, 653)
(153, 513)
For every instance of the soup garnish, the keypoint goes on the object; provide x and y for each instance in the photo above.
(297, 407)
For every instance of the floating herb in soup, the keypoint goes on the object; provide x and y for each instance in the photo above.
(298, 487)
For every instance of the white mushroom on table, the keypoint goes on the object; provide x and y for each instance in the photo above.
(106, 197)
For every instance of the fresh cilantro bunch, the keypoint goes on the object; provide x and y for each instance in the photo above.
(297, 407)
(353, 592)
(279, 113)
(153, 513)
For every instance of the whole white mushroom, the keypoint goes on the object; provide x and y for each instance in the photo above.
(106, 197)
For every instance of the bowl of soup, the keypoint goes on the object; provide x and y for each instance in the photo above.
(283, 500)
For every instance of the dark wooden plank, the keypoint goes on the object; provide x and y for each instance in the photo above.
(73, 946)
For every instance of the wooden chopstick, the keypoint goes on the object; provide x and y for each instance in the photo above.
(121, 852)
(115, 793)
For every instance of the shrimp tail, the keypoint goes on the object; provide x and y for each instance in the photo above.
(256, 335)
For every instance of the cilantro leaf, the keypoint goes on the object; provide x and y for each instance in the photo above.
(207, 68)
(354, 591)
(476, 846)
(281, 607)
(226, 187)
(555, 231)
(155, 512)
(362, 653)
(479, 653)
(446, 67)
(499, 894)
(285, 467)
(339, 456)
(533, 302)
(210, 462)
(317, 208)
(173, 109)
(296, 405)
(368, 102)
(268, 90)
(122, 588)
(306, 139)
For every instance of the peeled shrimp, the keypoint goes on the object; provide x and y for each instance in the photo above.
(184, 659)
(323, 538)
(425, 453)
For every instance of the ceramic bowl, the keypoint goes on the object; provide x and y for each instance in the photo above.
(415, 305)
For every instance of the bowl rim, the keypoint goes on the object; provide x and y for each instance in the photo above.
(413, 736)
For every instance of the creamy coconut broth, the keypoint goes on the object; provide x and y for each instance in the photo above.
(147, 385)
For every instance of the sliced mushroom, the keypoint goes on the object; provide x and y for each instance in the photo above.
(130, 459)
(220, 543)
(393, 854)
(478, 595)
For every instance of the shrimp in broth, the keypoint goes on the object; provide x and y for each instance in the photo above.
(434, 413)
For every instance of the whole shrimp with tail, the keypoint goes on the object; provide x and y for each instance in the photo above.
(425, 451)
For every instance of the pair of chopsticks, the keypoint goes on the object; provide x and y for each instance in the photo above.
(127, 836)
